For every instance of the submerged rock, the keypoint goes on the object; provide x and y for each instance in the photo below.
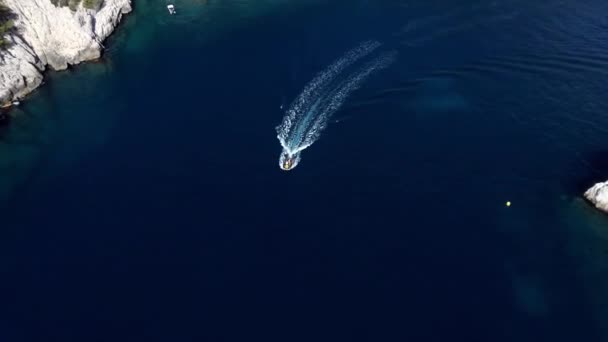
(598, 195)
(53, 36)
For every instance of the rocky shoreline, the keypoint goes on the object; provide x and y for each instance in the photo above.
(598, 196)
(46, 35)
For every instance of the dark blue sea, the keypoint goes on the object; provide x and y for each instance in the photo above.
(141, 197)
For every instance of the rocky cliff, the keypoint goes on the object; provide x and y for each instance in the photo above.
(53, 36)
(598, 195)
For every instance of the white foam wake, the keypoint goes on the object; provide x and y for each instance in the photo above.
(323, 96)
(305, 102)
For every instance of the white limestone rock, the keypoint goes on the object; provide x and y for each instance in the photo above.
(54, 36)
(20, 71)
(598, 195)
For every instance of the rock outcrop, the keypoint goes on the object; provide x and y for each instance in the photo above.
(598, 195)
(53, 36)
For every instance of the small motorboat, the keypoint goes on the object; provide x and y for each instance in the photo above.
(171, 9)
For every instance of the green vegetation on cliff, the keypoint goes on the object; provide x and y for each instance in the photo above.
(73, 4)
(6, 24)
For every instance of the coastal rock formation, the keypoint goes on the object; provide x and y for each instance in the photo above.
(53, 36)
(598, 195)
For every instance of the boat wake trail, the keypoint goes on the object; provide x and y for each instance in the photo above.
(309, 113)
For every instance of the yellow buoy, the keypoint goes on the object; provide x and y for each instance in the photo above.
(508, 204)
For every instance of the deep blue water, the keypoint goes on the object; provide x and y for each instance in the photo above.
(142, 198)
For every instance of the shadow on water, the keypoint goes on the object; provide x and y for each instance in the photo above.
(30, 132)
(4, 120)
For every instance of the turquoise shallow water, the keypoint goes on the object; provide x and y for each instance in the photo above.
(142, 198)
